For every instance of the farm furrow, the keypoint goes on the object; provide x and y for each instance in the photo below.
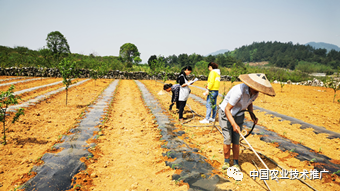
(194, 168)
(10, 78)
(19, 82)
(42, 97)
(129, 153)
(209, 144)
(31, 84)
(40, 129)
(58, 169)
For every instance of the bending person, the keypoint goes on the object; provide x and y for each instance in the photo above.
(239, 98)
(184, 90)
(175, 93)
(212, 92)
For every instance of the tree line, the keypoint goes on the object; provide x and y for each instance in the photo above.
(303, 58)
(290, 56)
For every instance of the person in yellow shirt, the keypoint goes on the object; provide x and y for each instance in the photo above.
(212, 92)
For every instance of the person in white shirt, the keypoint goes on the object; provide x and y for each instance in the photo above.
(239, 98)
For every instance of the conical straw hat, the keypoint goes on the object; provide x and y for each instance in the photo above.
(258, 82)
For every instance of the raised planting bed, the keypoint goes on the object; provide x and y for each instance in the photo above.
(128, 155)
(42, 126)
(58, 169)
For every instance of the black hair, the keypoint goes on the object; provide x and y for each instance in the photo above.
(167, 86)
(213, 65)
(186, 68)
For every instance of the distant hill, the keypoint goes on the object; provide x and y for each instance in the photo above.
(324, 45)
(218, 52)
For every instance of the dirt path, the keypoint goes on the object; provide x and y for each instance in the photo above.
(131, 153)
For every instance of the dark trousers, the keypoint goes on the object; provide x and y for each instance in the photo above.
(181, 108)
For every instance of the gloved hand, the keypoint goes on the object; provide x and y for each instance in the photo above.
(170, 107)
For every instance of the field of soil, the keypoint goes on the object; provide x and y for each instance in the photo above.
(129, 153)
(210, 144)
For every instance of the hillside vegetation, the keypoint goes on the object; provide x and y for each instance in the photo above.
(291, 62)
(290, 56)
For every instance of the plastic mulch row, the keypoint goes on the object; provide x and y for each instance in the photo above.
(58, 169)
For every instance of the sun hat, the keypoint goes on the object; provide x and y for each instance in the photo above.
(258, 82)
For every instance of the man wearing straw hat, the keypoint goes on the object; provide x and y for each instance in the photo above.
(240, 97)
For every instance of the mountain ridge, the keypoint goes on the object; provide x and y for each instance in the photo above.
(324, 45)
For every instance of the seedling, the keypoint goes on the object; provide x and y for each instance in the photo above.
(178, 180)
(282, 85)
(6, 99)
(168, 154)
(77, 186)
(320, 149)
(292, 150)
(312, 160)
(284, 133)
(173, 166)
(337, 172)
(68, 71)
(334, 85)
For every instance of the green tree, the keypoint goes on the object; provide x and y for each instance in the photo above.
(68, 71)
(58, 45)
(128, 52)
(6, 99)
(151, 61)
(46, 54)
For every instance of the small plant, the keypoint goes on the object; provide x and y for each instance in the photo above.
(77, 186)
(173, 166)
(334, 85)
(177, 181)
(68, 71)
(6, 99)
(94, 75)
(292, 150)
(284, 133)
(168, 154)
(282, 85)
(337, 172)
(312, 160)
(320, 149)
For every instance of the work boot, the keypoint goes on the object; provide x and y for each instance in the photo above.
(225, 166)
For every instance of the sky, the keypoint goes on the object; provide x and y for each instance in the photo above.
(164, 27)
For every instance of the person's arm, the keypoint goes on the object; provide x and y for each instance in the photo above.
(250, 108)
(231, 118)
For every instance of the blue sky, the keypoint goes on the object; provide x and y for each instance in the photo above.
(167, 27)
